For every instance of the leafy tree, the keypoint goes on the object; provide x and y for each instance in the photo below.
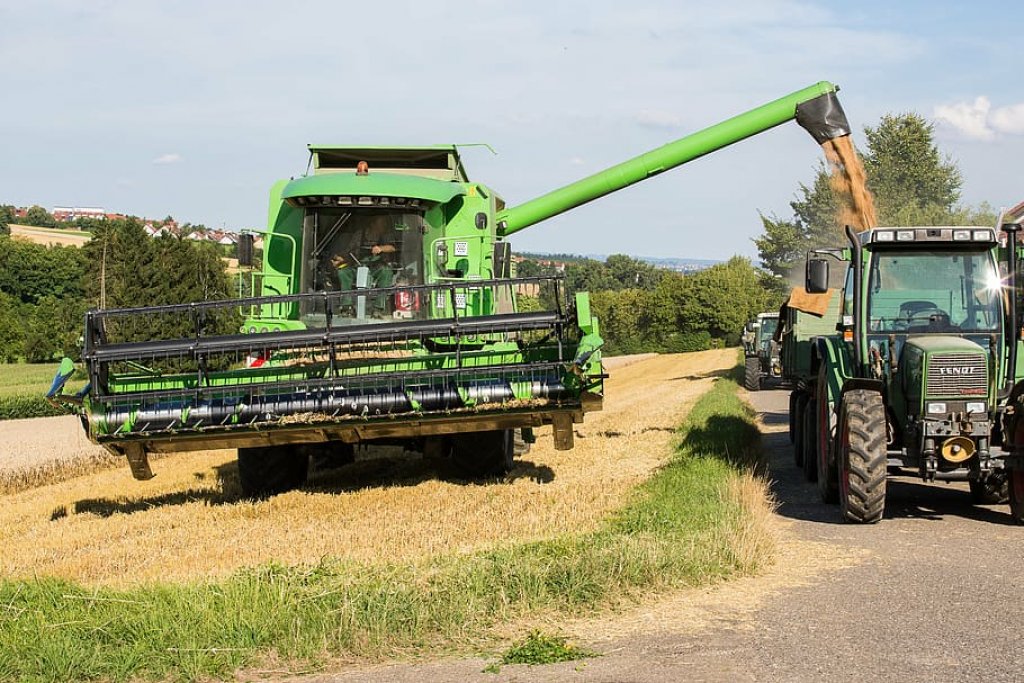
(30, 272)
(11, 328)
(6, 218)
(912, 184)
(40, 217)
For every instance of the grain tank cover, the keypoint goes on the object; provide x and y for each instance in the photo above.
(432, 161)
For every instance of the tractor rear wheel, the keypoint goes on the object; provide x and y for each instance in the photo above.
(863, 457)
(797, 420)
(993, 490)
(810, 440)
(1015, 484)
(752, 373)
(828, 473)
(483, 454)
(269, 470)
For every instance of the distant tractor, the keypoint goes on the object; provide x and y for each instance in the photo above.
(761, 351)
(917, 372)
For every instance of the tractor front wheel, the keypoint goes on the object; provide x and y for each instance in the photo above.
(863, 457)
(752, 373)
(269, 470)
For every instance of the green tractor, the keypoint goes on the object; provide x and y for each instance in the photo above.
(915, 377)
(760, 350)
(383, 311)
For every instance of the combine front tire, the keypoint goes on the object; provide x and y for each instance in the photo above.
(752, 374)
(482, 454)
(269, 470)
(1015, 478)
(863, 458)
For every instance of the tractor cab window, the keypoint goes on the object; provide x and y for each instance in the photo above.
(924, 291)
(351, 249)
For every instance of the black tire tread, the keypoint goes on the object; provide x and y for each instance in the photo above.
(752, 373)
(867, 458)
(270, 470)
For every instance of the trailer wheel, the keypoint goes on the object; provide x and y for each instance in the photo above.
(863, 457)
(482, 454)
(793, 395)
(994, 490)
(797, 420)
(828, 473)
(269, 470)
(752, 373)
(1015, 481)
(520, 446)
(810, 440)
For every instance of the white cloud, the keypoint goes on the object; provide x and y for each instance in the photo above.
(171, 158)
(1009, 120)
(979, 121)
(970, 119)
(658, 118)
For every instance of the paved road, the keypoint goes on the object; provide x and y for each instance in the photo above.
(934, 592)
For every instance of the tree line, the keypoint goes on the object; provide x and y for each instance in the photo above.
(46, 290)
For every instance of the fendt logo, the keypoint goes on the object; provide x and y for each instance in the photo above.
(957, 371)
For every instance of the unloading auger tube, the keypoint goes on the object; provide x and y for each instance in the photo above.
(815, 108)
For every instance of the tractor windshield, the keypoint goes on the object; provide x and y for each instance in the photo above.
(350, 249)
(922, 291)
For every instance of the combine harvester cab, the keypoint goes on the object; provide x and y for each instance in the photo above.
(383, 311)
(916, 378)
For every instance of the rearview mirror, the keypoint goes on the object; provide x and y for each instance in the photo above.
(245, 249)
(817, 276)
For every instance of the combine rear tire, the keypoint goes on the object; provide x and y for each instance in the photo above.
(994, 490)
(482, 454)
(863, 458)
(269, 470)
(752, 374)
(796, 419)
(810, 440)
(1015, 484)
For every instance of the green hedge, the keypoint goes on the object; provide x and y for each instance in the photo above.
(19, 407)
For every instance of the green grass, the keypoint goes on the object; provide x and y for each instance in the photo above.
(676, 531)
(22, 387)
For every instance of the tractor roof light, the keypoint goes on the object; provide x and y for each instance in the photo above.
(961, 235)
(885, 236)
(905, 235)
(983, 236)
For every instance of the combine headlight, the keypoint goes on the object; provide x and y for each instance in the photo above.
(976, 407)
(983, 235)
(936, 408)
(344, 201)
(960, 235)
(905, 235)
(885, 236)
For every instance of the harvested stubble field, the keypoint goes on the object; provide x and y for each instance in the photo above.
(103, 528)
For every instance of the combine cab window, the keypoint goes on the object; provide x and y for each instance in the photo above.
(352, 249)
(933, 291)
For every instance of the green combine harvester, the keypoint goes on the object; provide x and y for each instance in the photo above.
(384, 311)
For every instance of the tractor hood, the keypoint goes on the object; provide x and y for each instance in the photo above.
(946, 368)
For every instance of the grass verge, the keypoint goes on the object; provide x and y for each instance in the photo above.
(694, 522)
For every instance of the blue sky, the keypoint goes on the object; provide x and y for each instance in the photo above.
(194, 108)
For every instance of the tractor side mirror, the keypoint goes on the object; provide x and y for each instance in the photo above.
(817, 276)
(245, 249)
(481, 220)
